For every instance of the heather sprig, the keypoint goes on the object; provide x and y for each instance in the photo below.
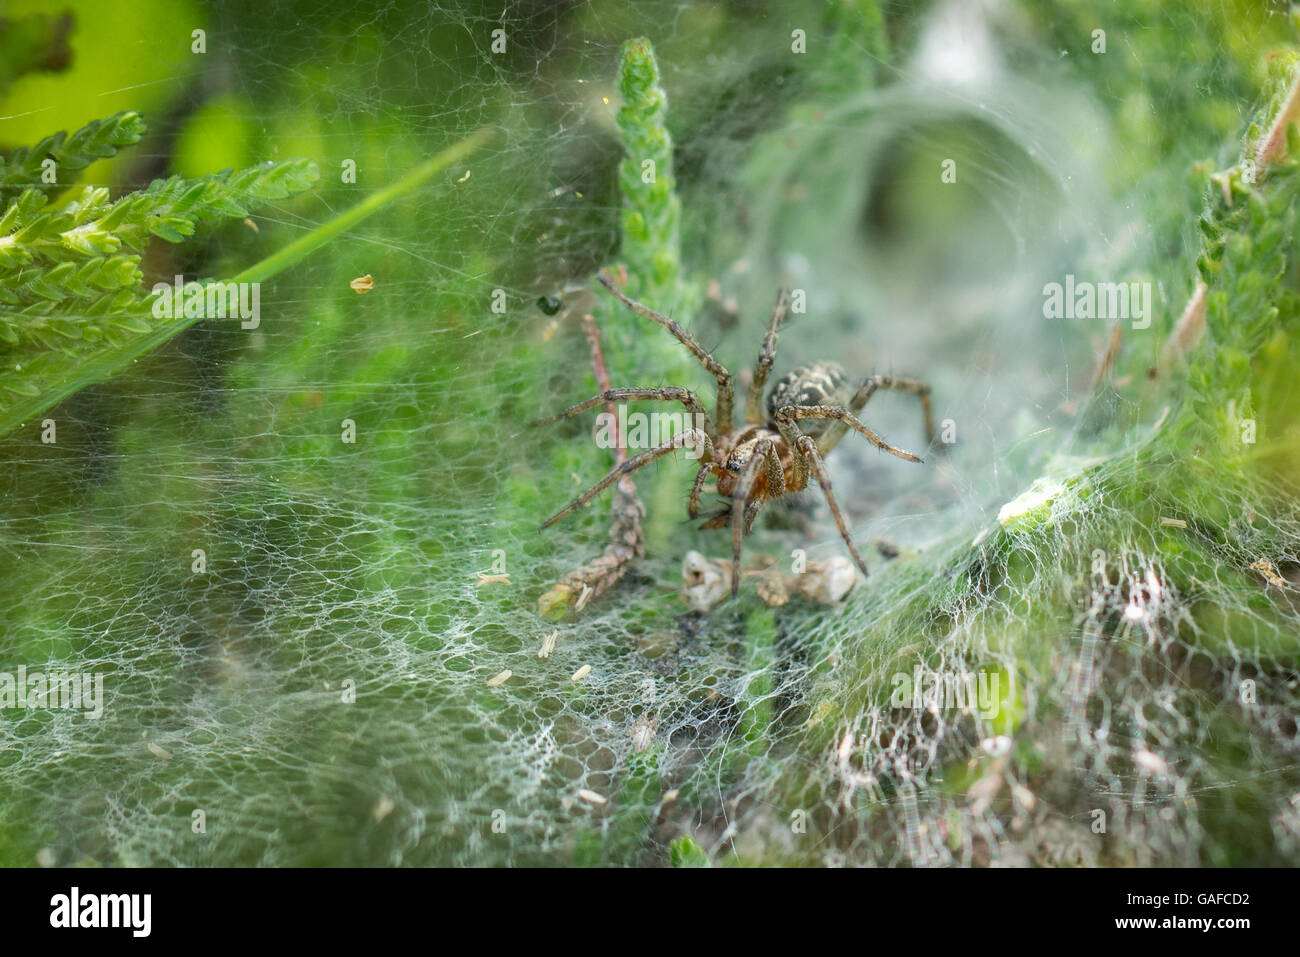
(70, 273)
(73, 306)
(71, 286)
(27, 168)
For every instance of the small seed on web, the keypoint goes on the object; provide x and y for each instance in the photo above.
(1172, 522)
(363, 284)
(643, 733)
(548, 645)
(485, 579)
(383, 807)
(500, 679)
(581, 673)
(1150, 761)
(591, 797)
(159, 751)
(845, 749)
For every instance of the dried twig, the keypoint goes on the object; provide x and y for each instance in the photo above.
(627, 541)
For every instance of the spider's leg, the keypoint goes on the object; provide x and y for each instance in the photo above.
(726, 391)
(693, 437)
(666, 394)
(848, 418)
(742, 509)
(792, 434)
(836, 430)
(808, 448)
(738, 503)
(763, 368)
(693, 506)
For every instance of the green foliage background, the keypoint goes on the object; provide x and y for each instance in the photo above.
(333, 566)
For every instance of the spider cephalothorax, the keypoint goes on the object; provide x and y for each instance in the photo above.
(782, 443)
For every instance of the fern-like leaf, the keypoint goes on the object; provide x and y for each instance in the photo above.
(73, 308)
(98, 139)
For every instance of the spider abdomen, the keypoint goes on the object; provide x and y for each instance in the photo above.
(819, 383)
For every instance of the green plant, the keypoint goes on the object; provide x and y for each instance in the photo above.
(73, 307)
(71, 285)
(1102, 540)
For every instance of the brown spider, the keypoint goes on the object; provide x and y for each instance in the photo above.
(770, 455)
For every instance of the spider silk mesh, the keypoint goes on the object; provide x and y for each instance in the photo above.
(327, 689)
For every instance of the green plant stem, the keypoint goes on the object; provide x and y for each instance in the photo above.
(300, 248)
